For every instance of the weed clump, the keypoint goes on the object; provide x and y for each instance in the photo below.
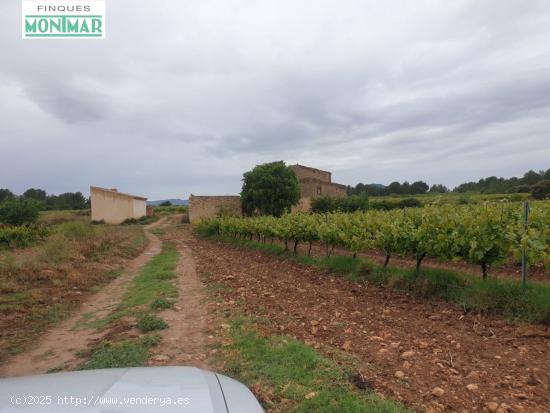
(161, 304)
(123, 354)
(151, 322)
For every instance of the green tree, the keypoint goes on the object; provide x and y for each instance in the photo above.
(70, 200)
(4, 194)
(531, 177)
(33, 193)
(165, 204)
(394, 188)
(419, 187)
(18, 211)
(270, 189)
(541, 190)
(438, 188)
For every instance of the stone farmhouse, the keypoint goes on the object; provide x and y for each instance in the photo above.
(114, 207)
(313, 183)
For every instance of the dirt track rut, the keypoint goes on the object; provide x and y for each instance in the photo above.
(57, 348)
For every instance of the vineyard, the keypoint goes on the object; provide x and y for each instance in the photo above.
(483, 234)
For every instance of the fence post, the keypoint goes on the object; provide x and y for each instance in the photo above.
(326, 244)
(523, 251)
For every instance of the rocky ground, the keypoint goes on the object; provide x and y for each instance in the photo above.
(429, 355)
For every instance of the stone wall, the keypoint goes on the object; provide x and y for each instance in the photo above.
(304, 205)
(313, 188)
(212, 206)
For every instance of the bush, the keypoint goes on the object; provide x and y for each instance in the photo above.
(387, 205)
(541, 190)
(140, 221)
(150, 322)
(18, 211)
(350, 204)
(354, 203)
(409, 203)
(383, 205)
(21, 236)
(129, 221)
(523, 189)
(323, 204)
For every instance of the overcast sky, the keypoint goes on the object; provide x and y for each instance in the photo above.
(184, 96)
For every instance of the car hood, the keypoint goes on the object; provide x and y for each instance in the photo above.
(147, 389)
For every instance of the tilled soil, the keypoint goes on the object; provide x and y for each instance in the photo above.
(428, 354)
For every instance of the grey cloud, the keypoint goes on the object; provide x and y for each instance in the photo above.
(70, 103)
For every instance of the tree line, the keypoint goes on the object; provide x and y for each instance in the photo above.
(529, 182)
(48, 202)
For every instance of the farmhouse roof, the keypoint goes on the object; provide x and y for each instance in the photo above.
(311, 169)
(213, 196)
(115, 192)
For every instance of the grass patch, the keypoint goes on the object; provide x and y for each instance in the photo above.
(150, 322)
(492, 296)
(158, 231)
(115, 273)
(154, 280)
(162, 304)
(297, 377)
(124, 354)
(152, 284)
(218, 288)
(49, 315)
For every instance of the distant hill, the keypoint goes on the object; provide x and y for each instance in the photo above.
(172, 201)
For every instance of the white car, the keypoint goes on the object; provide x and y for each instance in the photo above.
(140, 389)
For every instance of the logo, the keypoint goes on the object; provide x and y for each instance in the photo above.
(62, 19)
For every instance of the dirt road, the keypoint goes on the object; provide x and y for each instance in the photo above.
(184, 343)
(64, 346)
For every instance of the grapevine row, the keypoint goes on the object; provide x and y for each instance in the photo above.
(481, 234)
